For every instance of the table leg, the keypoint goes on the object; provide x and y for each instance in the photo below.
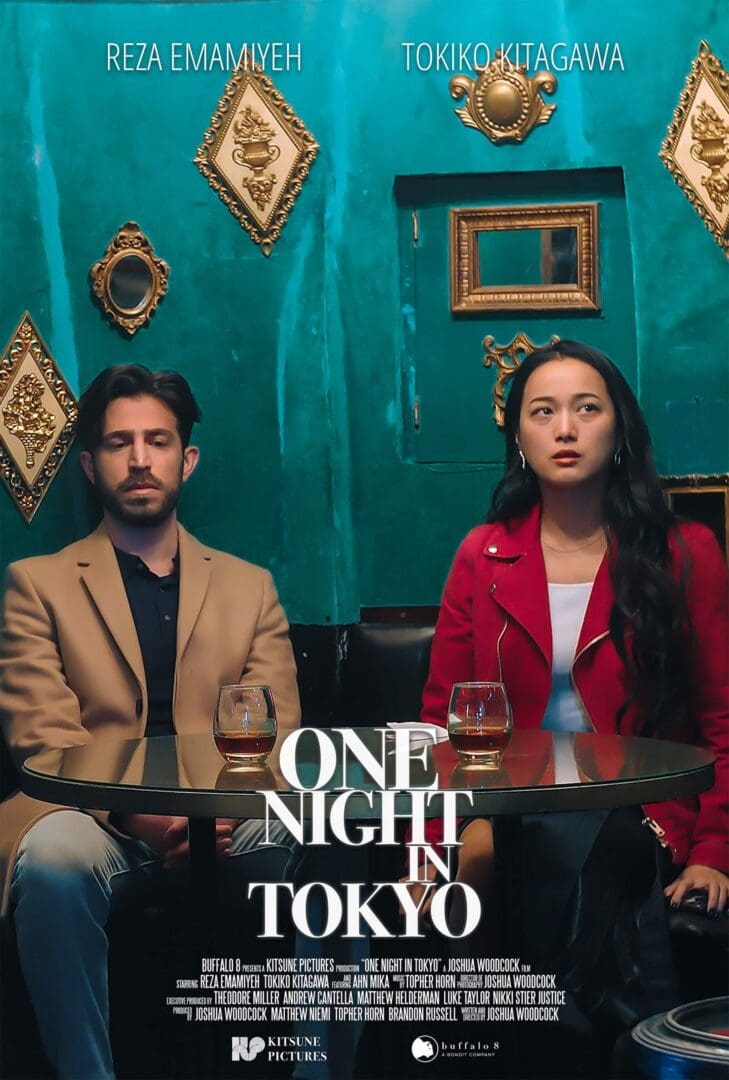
(203, 870)
(509, 883)
(203, 894)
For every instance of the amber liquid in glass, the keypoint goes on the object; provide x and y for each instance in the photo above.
(471, 741)
(238, 745)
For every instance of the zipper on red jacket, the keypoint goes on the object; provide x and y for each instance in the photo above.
(498, 646)
(576, 657)
(658, 832)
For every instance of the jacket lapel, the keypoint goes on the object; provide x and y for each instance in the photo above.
(194, 582)
(102, 578)
(596, 623)
(519, 579)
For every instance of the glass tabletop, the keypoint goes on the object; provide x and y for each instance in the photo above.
(540, 771)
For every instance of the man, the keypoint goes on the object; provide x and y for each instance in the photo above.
(128, 632)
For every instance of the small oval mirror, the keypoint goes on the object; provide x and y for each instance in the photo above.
(130, 283)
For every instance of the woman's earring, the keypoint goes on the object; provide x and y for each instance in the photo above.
(523, 459)
(617, 457)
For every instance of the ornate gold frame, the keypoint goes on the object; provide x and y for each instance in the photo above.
(506, 359)
(41, 422)
(129, 240)
(467, 292)
(255, 118)
(698, 137)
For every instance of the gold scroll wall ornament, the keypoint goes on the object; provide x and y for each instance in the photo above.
(503, 102)
(253, 129)
(696, 148)
(506, 359)
(129, 281)
(38, 415)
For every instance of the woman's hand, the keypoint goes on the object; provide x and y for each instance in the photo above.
(475, 865)
(417, 888)
(713, 882)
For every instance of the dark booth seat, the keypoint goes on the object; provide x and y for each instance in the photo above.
(384, 673)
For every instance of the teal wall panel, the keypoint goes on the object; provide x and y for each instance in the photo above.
(300, 360)
(444, 351)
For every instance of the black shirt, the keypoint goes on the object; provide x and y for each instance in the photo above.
(153, 601)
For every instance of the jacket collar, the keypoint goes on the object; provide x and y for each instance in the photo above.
(195, 560)
(519, 583)
(100, 573)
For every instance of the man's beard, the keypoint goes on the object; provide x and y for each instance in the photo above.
(141, 516)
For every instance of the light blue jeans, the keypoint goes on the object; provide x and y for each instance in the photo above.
(69, 874)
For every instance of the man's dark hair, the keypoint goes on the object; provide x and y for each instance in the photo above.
(134, 380)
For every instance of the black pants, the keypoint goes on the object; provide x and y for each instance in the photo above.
(594, 911)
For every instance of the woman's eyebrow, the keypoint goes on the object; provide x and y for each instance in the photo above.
(551, 400)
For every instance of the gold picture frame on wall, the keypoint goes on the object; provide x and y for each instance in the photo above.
(574, 288)
(256, 154)
(696, 148)
(38, 414)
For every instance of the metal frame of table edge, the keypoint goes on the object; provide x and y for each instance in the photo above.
(599, 794)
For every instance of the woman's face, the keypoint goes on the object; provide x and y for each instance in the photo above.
(567, 424)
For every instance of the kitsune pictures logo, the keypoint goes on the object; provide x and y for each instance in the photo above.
(245, 1049)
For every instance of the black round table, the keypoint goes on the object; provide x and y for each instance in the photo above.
(186, 775)
(540, 772)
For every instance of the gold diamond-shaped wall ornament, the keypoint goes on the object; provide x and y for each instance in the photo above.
(256, 154)
(696, 148)
(38, 415)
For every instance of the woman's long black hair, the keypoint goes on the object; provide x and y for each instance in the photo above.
(648, 616)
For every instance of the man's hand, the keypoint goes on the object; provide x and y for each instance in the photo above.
(712, 882)
(168, 836)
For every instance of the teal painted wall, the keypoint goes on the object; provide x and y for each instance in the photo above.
(300, 361)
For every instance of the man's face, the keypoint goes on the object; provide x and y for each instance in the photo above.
(140, 465)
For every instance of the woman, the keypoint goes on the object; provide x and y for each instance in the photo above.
(591, 602)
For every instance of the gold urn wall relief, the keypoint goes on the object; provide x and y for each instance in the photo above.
(37, 417)
(506, 359)
(696, 148)
(129, 281)
(503, 102)
(256, 154)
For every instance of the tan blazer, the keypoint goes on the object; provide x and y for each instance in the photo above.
(71, 669)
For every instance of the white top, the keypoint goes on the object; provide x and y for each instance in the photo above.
(567, 606)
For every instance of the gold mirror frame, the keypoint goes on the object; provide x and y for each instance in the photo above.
(129, 241)
(252, 130)
(698, 139)
(38, 414)
(467, 292)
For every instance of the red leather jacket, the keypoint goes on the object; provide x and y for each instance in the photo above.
(494, 625)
